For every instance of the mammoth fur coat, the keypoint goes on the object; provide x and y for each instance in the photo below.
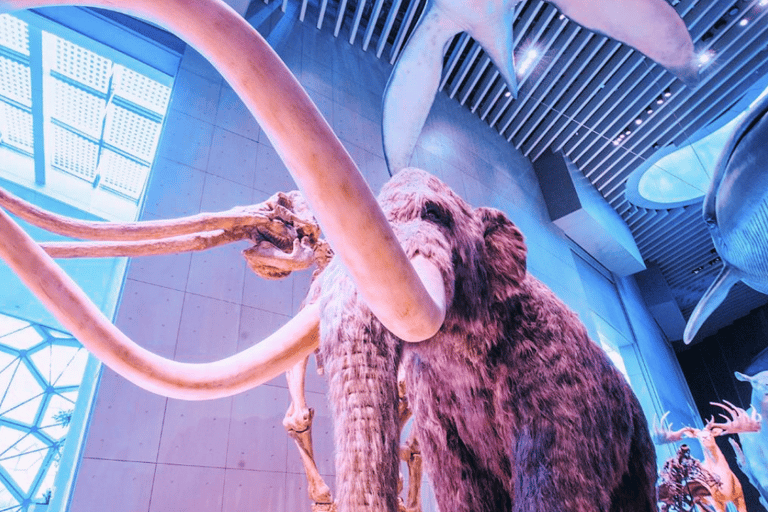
(514, 407)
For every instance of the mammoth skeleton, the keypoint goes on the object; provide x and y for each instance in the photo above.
(514, 407)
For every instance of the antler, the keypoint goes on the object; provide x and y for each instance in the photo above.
(664, 435)
(737, 422)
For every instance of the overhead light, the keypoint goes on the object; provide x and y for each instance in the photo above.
(649, 111)
(628, 132)
(743, 22)
(507, 94)
(667, 93)
(529, 59)
(706, 57)
(638, 121)
(659, 100)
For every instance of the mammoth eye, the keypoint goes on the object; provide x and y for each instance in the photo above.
(432, 212)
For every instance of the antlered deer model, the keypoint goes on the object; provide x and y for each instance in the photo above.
(752, 456)
(724, 487)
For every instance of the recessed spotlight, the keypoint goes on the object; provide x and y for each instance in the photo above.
(743, 22)
(529, 59)
(706, 57)
(561, 17)
(638, 121)
(659, 100)
(649, 111)
(628, 132)
(667, 93)
(507, 94)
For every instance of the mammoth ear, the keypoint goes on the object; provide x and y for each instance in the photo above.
(505, 252)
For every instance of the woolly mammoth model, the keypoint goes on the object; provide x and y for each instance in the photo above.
(514, 407)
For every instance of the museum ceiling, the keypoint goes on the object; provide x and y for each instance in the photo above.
(606, 107)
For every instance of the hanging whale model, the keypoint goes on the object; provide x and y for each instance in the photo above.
(736, 212)
(652, 27)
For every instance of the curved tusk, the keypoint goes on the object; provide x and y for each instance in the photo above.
(188, 381)
(340, 198)
(237, 217)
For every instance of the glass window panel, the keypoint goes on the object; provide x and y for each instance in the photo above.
(23, 339)
(15, 81)
(27, 453)
(78, 108)
(23, 397)
(131, 132)
(23, 459)
(15, 127)
(75, 62)
(141, 90)
(74, 154)
(122, 174)
(14, 34)
(9, 324)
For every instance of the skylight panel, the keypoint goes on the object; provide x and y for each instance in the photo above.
(141, 90)
(131, 132)
(14, 34)
(40, 372)
(15, 83)
(122, 174)
(73, 153)
(15, 127)
(77, 63)
(78, 108)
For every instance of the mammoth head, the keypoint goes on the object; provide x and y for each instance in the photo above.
(480, 253)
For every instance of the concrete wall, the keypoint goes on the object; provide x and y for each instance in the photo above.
(147, 453)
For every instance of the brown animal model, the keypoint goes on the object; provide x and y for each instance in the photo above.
(515, 408)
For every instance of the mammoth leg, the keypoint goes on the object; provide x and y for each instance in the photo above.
(459, 482)
(298, 423)
(361, 361)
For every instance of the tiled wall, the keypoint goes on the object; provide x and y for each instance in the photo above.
(147, 453)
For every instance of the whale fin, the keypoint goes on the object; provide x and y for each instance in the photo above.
(498, 41)
(652, 27)
(412, 87)
(714, 296)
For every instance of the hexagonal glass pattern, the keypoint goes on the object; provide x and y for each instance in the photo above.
(40, 373)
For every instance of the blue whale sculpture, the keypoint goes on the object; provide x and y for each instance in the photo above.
(736, 212)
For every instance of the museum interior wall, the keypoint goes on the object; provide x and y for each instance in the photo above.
(145, 452)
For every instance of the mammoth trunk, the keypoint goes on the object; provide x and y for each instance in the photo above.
(361, 362)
